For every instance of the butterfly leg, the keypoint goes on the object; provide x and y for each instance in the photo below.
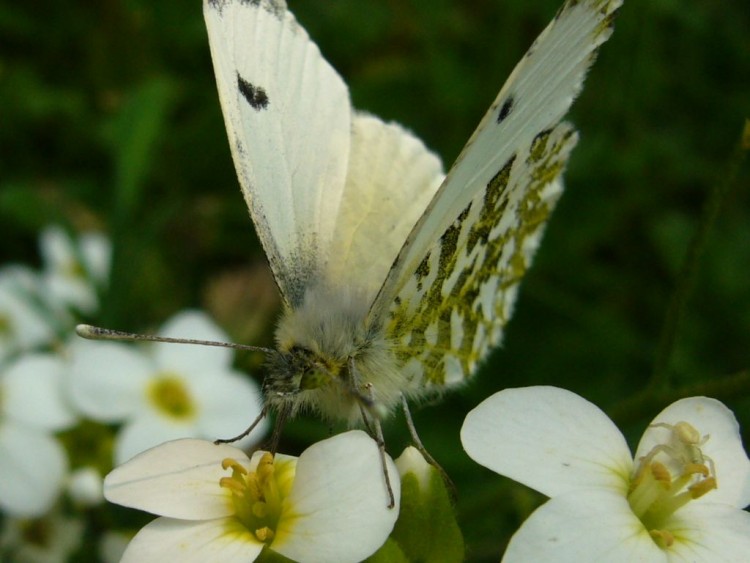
(381, 448)
(281, 417)
(371, 423)
(261, 416)
(418, 444)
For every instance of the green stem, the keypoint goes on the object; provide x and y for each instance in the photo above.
(686, 278)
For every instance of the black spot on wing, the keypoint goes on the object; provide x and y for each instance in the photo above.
(505, 109)
(254, 95)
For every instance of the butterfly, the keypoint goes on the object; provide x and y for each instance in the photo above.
(396, 279)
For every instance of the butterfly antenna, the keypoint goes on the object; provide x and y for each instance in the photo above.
(98, 333)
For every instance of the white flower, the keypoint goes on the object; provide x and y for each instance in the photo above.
(217, 505)
(23, 323)
(75, 271)
(173, 391)
(85, 486)
(33, 464)
(52, 539)
(680, 500)
(412, 462)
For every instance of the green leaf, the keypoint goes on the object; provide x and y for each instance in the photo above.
(427, 529)
(136, 132)
(390, 552)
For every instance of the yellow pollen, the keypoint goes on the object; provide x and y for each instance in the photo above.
(264, 534)
(256, 495)
(661, 473)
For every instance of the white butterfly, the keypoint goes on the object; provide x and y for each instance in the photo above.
(396, 280)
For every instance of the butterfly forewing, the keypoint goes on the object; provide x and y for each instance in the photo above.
(452, 309)
(452, 287)
(288, 116)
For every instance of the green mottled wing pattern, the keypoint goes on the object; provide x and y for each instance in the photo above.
(452, 287)
(452, 310)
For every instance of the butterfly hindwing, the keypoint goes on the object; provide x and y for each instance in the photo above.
(452, 287)
(390, 181)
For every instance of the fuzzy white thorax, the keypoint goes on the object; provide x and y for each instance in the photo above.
(328, 334)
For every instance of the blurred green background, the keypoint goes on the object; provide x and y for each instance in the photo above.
(109, 119)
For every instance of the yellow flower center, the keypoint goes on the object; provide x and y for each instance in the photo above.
(6, 326)
(658, 489)
(73, 269)
(258, 495)
(170, 396)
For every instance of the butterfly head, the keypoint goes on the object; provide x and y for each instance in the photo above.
(296, 375)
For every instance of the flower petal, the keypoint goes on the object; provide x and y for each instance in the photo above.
(107, 379)
(189, 359)
(148, 430)
(29, 325)
(724, 445)
(56, 248)
(97, 256)
(584, 526)
(33, 392)
(710, 532)
(229, 403)
(412, 461)
(65, 273)
(218, 540)
(549, 439)
(337, 509)
(85, 487)
(33, 467)
(179, 479)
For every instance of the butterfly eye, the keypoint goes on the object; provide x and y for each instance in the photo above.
(314, 379)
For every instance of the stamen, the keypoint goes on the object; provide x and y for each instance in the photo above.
(661, 473)
(663, 538)
(234, 464)
(257, 495)
(264, 534)
(700, 488)
(659, 489)
(232, 484)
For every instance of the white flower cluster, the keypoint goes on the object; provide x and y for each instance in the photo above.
(37, 314)
(71, 409)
